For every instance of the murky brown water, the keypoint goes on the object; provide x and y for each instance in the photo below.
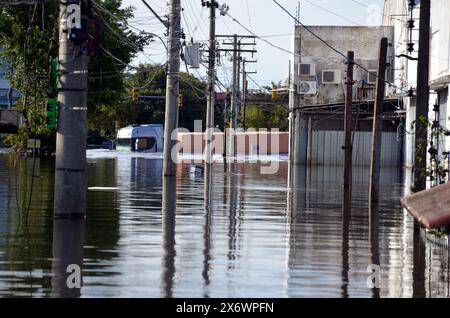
(242, 235)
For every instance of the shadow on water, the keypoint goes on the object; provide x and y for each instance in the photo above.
(232, 234)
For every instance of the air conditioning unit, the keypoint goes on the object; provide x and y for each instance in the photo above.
(306, 69)
(331, 76)
(371, 77)
(307, 88)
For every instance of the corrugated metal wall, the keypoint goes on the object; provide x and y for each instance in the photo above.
(327, 148)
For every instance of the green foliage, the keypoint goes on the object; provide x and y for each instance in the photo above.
(108, 89)
(28, 37)
(25, 34)
(273, 117)
(151, 81)
(435, 170)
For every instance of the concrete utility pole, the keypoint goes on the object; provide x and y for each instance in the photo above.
(231, 141)
(172, 86)
(238, 87)
(377, 129)
(244, 93)
(70, 166)
(211, 81)
(423, 95)
(347, 198)
(245, 89)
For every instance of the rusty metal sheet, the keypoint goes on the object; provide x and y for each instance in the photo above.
(430, 207)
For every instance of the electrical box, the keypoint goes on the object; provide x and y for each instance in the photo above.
(192, 55)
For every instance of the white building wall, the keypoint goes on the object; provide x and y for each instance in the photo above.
(396, 14)
(440, 41)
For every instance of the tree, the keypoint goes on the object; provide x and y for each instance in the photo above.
(28, 37)
(150, 81)
(270, 117)
(108, 88)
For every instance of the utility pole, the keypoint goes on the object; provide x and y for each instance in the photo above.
(238, 87)
(236, 51)
(231, 135)
(244, 93)
(211, 81)
(245, 89)
(347, 197)
(422, 100)
(70, 166)
(172, 87)
(377, 129)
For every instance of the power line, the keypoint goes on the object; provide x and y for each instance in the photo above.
(331, 12)
(257, 36)
(337, 51)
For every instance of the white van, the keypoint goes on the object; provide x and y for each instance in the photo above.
(143, 138)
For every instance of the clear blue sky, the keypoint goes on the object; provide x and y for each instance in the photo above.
(264, 18)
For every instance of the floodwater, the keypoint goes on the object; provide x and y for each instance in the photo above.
(233, 234)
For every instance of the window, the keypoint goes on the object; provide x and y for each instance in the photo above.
(371, 77)
(145, 143)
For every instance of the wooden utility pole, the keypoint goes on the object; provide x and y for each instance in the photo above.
(211, 82)
(172, 87)
(422, 100)
(347, 197)
(377, 129)
(70, 166)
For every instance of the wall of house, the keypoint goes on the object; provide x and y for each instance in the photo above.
(5, 69)
(364, 41)
(396, 14)
(440, 41)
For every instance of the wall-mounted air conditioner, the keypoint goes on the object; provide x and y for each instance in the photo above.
(306, 69)
(307, 88)
(331, 76)
(371, 76)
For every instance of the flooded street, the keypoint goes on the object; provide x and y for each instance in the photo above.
(240, 234)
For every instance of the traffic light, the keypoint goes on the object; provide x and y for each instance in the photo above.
(274, 93)
(180, 100)
(135, 95)
(52, 110)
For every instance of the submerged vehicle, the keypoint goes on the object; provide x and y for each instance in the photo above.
(143, 138)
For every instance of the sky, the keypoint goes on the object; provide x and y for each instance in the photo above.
(264, 18)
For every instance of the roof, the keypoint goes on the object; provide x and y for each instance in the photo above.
(430, 207)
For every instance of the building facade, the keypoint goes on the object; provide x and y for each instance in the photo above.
(398, 13)
(318, 89)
